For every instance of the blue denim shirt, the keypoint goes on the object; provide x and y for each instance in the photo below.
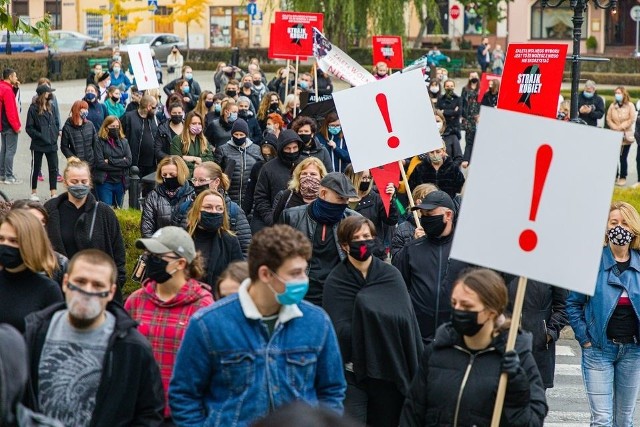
(229, 371)
(589, 316)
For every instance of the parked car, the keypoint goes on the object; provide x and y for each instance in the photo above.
(90, 42)
(161, 43)
(21, 43)
(68, 45)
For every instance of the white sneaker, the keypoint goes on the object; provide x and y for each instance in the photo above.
(34, 197)
(12, 181)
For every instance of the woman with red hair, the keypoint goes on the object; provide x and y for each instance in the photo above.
(79, 136)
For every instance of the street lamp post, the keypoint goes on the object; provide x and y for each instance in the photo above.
(8, 46)
(579, 7)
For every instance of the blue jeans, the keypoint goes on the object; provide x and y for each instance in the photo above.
(111, 193)
(611, 376)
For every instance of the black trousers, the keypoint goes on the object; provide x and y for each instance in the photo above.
(52, 163)
(374, 402)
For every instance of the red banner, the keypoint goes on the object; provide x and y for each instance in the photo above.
(292, 34)
(532, 77)
(388, 49)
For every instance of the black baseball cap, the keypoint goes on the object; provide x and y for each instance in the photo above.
(436, 199)
(43, 89)
(338, 182)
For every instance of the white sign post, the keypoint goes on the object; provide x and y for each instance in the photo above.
(635, 15)
(551, 230)
(387, 120)
(142, 64)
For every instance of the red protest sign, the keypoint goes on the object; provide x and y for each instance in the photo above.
(388, 49)
(532, 77)
(292, 34)
(382, 176)
(484, 84)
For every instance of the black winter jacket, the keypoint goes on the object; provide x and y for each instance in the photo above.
(454, 150)
(489, 99)
(455, 386)
(133, 130)
(543, 313)
(97, 113)
(112, 162)
(162, 141)
(130, 391)
(193, 85)
(318, 151)
(238, 222)
(274, 177)
(217, 250)
(42, 129)
(106, 236)
(285, 199)
(79, 141)
(596, 113)
(403, 235)
(451, 107)
(423, 264)
(448, 177)
(218, 132)
(243, 159)
(371, 206)
(158, 207)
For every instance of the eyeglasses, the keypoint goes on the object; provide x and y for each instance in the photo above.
(200, 181)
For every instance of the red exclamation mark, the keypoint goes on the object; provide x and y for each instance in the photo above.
(381, 100)
(146, 79)
(529, 238)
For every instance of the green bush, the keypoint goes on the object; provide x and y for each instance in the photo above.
(130, 225)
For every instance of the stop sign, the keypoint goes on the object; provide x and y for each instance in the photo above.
(454, 13)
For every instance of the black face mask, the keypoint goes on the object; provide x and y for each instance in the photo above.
(114, 99)
(305, 138)
(465, 322)
(473, 81)
(200, 188)
(362, 250)
(10, 257)
(239, 141)
(243, 114)
(171, 184)
(257, 82)
(175, 119)
(274, 106)
(210, 221)
(433, 225)
(231, 93)
(364, 185)
(290, 157)
(157, 269)
(114, 133)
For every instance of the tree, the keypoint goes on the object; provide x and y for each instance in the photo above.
(14, 24)
(489, 10)
(188, 12)
(349, 21)
(122, 24)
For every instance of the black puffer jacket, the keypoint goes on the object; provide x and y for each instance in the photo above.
(448, 177)
(130, 391)
(112, 162)
(158, 208)
(79, 141)
(242, 159)
(218, 132)
(451, 106)
(274, 177)
(106, 236)
(455, 386)
(543, 313)
(162, 141)
(317, 150)
(403, 235)
(238, 222)
(43, 130)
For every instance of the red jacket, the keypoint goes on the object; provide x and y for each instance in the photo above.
(164, 322)
(9, 106)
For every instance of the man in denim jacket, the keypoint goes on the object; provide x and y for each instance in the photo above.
(253, 352)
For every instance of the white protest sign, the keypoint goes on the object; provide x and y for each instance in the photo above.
(388, 120)
(142, 64)
(537, 198)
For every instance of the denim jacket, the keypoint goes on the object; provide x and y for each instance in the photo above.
(589, 316)
(229, 372)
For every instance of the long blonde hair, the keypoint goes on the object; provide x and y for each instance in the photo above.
(33, 242)
(193, 217)
(186, 134)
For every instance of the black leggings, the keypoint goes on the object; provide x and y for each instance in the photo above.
(36, 164)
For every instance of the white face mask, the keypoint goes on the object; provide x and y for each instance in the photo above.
(84, 307)
(439, 125)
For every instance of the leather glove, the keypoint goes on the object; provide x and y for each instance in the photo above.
(510, 363)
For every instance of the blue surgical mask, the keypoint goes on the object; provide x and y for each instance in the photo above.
(618, 97)
(334, 130)
(188, 76)
(587, 95)
(186, 89)
(217, 108)
(303, 85)
(232, 117)
(294, 291)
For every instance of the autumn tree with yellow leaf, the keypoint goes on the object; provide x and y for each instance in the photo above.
(187, 12)
(120, 20)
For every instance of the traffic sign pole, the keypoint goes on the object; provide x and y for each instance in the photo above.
(635, 15)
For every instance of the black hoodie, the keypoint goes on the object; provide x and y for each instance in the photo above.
(274, 177)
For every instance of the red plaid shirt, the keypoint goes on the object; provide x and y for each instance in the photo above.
(164, 322)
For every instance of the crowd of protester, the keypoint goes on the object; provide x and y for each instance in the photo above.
(272, 272)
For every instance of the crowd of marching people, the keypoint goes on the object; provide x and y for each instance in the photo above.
(272, 272)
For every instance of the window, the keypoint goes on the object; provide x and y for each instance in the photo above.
(54, 8)
(554, 23)
(20, 8)
(95, 26)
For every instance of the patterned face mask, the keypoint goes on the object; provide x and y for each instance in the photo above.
(620, 236)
